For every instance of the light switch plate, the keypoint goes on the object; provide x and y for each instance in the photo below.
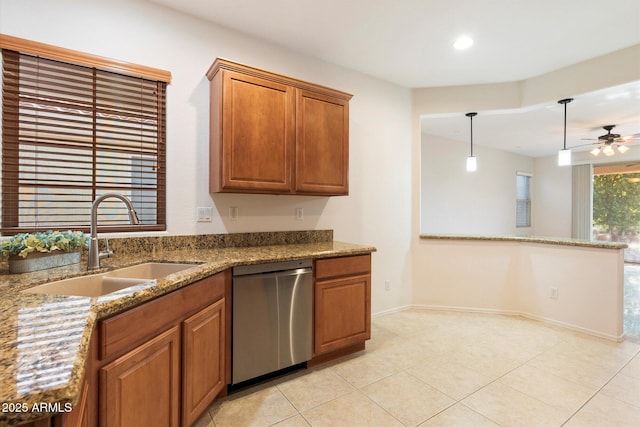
(204, 214)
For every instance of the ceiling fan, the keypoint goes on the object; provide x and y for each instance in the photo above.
(610, 141)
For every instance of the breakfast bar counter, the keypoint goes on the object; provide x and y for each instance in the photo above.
(529, 239)
(572, 283)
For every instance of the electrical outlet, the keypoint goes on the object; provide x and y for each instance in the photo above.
(233, 213)
(299, 214)
(554, 293)
(387, 285)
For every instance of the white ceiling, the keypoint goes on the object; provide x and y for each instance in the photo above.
(537, 131)
(409, 42)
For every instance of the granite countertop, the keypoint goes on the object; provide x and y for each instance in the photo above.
(44, 338)
(531, 239)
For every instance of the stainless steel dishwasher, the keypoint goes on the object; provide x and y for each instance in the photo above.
(272, 317)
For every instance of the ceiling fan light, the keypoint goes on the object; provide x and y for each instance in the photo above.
(608, 151)
(564, 157)
(595, 151)
(472, 164)
(622, 149)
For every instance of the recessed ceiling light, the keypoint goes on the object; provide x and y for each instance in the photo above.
(463, 42)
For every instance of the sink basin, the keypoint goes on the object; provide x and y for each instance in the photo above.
(87, 286)
(149, 270)
(97, 285)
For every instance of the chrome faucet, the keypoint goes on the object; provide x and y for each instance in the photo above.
(94, 256)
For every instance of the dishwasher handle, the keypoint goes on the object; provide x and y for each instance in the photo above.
(273, 267)
(274, 274)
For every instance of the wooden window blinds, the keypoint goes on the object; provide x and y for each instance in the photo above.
(73, 132)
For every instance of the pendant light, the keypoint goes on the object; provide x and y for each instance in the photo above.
(564, 155)
(472, 163)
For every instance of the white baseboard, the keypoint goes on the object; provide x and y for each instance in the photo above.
(464, 309)
(576, 328)
(392, 310)
(508, 313)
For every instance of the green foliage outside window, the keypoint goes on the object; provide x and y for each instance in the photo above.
(616, 203)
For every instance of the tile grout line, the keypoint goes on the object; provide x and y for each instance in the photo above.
(519, 364)
(497, 379)
(376, 403)
(602, 387)
(460, 401)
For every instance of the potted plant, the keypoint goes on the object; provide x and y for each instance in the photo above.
(41, 250)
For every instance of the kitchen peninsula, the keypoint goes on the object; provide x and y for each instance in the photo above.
(573, 283)
(46, 341)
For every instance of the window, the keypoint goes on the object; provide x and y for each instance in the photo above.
(72, 132)
(523, 200)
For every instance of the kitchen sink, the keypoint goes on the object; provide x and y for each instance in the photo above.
(150, 270)
(97, 285)
(87, 286)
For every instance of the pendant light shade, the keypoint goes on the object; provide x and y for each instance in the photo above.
(564, 155)
(472, 163)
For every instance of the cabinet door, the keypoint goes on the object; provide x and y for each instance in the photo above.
(203, 375)
(142, 387)
(322, 144)
(258, 130)
(342, 312)
(79, 416)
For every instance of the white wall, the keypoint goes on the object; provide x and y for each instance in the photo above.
(517, 277)
(454, 201)
(617, 68)
(378, 209)
(552, 195)
(552, 187)
(481, 275)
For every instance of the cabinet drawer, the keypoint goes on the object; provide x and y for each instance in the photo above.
(126, 330)
(342, 266)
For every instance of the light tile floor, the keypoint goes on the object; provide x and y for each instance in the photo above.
(432, 368)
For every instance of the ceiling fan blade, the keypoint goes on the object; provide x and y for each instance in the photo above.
(584, 145)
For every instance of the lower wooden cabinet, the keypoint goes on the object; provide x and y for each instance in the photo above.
(203, 374)
(80, 416)
(164, 362)
(142, 387)
(161, 363)
(342, 304)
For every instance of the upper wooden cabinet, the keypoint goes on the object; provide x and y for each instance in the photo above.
(276, 135)
(322, 144)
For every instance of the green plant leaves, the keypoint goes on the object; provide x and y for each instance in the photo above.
(47, 241)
